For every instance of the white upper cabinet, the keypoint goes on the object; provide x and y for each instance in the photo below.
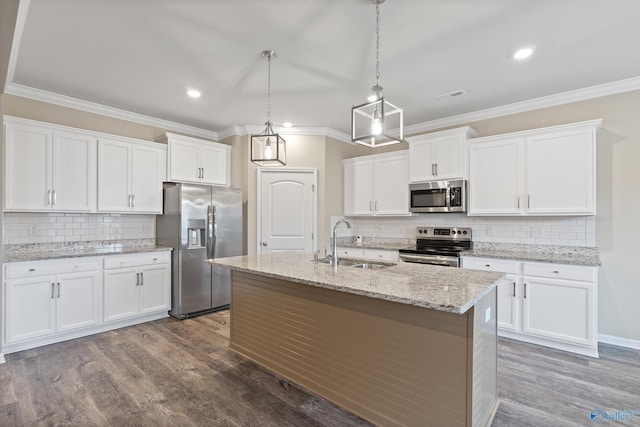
(377, 184)
(548, 171)
(130, 175)
(438, 155)
(48, 167)
(199, 161)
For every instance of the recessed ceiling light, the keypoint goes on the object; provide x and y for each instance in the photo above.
(194, 93)
(523, 53)
(287, 124)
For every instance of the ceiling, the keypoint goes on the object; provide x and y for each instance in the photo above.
(142, 55)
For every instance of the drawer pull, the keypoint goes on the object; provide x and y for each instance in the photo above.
(155, 259)
(122, 262)
(77, 266)
(514, 289)
(58, 289)
(32, 269)
(556, 272)
(53, 286)
(525, 290)
(487, 265)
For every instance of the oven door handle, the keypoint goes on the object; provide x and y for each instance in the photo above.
(425, 260)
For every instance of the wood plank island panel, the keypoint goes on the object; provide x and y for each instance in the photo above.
(390, 363)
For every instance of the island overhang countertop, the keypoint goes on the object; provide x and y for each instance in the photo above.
(446, 289)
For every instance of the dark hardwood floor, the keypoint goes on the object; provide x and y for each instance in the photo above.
(181, 373)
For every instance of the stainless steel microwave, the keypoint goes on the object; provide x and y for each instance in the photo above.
(438, 196)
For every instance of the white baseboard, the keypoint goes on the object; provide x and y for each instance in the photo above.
(620, 342)
(1, 358)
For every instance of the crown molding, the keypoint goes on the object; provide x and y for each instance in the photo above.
(307, 131)
(612, 88)
(91, 107)
(21, 18)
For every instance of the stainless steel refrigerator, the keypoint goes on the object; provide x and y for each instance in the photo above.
(199, 222)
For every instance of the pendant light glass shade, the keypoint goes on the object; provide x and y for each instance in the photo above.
(268, 148)
(377, 122)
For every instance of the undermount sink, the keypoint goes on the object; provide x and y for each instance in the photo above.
(357, 263)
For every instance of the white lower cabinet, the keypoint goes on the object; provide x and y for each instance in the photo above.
(136, 284)
(548, 304)
(49, 297)
(44, 302)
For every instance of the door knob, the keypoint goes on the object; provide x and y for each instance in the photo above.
(264, 243)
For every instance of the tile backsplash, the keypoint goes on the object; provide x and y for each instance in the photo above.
(24, 228)
(563, 231)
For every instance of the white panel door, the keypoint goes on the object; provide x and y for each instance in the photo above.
(28, 167)
(494, 177)
(508, 304)
(77, 300)
(155, 288)
(421, 160)
(448, 155)
(213, 161)
(146, 179)
(121, 294)
(113, 176)
(558, 309)
(286, 210)
(184, 162)
(74, 172)
(391, 185)
(560, 173)
(29, 308)
(358, 187)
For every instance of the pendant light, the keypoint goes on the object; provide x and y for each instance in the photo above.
(371, 122)
(268, 148)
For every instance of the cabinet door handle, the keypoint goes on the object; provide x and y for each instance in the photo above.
(436, 169)
(487, 265)
(514, 289)
(556, 272)
(375, 206)
(59, 289)
(53, 286)
(518, 198)
(133, 200)
(55, 197)
(525, 290)
(137, 279)
(202, 173)
(48, 197)
(370, 205)
(141, 279)
(528, 200)
(32, 269)
(433, 169)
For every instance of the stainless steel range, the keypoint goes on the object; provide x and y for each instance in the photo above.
(438, 246)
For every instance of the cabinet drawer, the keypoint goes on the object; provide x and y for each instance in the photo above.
(136, 260)
(559, 271)
(349, 252)
(381, 255)
(18, 270)
(490, 264)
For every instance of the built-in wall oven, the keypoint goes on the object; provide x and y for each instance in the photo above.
(438, 246)
(438, 196)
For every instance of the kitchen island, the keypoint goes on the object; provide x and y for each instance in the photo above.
(405, 345)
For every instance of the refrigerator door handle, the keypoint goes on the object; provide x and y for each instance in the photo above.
(211, 232)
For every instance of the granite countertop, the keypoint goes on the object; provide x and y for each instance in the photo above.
(39, 252)
(441, 288)
(574, 255)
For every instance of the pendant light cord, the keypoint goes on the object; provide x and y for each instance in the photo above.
(269, 87)
(377, 43)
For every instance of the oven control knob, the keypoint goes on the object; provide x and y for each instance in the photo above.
(420, 231)
(464, 232)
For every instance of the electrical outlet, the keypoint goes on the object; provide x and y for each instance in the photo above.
(536, 231)
(33, 230)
